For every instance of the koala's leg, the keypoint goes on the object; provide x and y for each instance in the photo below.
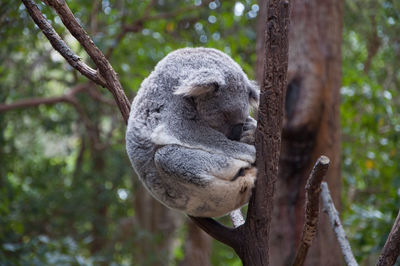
(197, 136)
(207, 177)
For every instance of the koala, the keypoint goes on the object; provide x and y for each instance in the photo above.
(190, 138)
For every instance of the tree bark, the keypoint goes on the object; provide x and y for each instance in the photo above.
(311, 126)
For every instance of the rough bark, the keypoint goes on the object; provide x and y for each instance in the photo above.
(311, 126)
(313, 190)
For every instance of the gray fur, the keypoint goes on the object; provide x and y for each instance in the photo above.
(177, 137)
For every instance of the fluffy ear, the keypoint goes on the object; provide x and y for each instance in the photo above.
(254, 94)
(199, 82)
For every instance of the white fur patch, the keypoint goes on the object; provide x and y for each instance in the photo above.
(160, 136)
(228, 173)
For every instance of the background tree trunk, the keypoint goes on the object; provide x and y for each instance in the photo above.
(159, 227)
(197, 246)
(311, 126)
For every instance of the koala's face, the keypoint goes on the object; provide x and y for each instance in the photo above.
(221, 90)
(226, 107)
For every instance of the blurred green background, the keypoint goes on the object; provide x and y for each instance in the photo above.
(67, 190)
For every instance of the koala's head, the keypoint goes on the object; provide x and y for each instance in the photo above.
(221, 92)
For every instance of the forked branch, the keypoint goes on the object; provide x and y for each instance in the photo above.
(60, 46)
(106, 76)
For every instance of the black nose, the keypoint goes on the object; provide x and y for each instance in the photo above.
(236, 132)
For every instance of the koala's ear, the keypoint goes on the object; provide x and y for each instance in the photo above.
(254, 94)
(199, 82)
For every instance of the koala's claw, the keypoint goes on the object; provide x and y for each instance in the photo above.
(248, 179)
(250, 124)
(249, 130)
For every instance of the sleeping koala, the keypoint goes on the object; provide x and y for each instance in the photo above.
(190, 137)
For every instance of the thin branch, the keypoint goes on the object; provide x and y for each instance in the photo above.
(237, 218)
(391, 250)
(313, 190)
(96, 95)
(60, 46)
(222, 233)
(330, 210)
(105, 68)
(32, 102)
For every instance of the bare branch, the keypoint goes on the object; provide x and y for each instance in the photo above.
(313, 190)
(330, 210)
(32, 102)
(60, 46)
(237, 218)
(220, 232)
(96, 95)
(391, 250)
(105, 68)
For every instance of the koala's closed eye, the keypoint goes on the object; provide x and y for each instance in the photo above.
(236, 132)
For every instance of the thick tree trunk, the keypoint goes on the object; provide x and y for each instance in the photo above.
(311, 126)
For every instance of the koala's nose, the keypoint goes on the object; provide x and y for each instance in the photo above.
(236, 132)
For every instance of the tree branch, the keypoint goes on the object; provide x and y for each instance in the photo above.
(32, 102)
(391, 250)
(313, 190)
(330, 210)
(105, 68)
(226, 235)
(60, 46)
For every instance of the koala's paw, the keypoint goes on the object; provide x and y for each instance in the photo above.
(249, 131)
(246, 184)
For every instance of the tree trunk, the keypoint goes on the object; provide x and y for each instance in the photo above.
(197, 246)
(311, 126)
(159, 227)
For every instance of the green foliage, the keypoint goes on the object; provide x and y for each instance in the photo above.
(370, 122)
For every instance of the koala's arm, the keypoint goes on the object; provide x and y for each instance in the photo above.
(204, 138)
(197, 166)
(210, 179)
